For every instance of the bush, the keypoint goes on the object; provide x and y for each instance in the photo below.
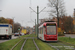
(60, 34)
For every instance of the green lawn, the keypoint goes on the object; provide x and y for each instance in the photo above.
(43, 45)
(29, 45)
(18, 47)
(67, 40)
(61, 46)
(8, 44)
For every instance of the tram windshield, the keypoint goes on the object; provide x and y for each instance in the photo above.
(51, 29)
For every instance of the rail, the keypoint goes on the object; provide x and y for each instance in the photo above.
(16, 45)
(52, 46)
(23, 44)
(36, 45)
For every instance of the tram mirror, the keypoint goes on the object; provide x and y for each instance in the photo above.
(44, 26)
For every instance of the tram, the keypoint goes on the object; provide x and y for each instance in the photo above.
(48, 31)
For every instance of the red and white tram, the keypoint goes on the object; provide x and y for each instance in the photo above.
(48, 31)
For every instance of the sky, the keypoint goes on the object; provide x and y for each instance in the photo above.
(20, 11)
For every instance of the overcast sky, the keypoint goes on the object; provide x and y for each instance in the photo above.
(19, 9)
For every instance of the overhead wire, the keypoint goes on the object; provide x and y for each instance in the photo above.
(46, 12)
(31, 12)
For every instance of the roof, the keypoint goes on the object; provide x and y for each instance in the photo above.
(49, 21)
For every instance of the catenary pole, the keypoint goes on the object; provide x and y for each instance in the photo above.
(37, 20)
(35, 26)
(37, 29)
(74, 18)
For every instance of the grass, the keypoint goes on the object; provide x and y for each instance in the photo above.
(43, 45)
(18, 47)
(58, 46)
(61, 46)
(25, 36)
(8, 44)
(67, 40)
(29, 45)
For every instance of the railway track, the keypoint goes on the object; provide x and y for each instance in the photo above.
(69, 44)
(22, 47)
(16, 45)
(35, 45)
(62, 46)
(52, 46)
(23, 44)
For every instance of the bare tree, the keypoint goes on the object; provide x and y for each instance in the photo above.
(57, 8)
(16, 27)
(68, 23)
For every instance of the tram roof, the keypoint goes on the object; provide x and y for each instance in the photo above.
(49, 21)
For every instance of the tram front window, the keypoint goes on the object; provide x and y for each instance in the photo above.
(51, 30)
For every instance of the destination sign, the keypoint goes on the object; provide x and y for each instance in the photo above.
(51, 24)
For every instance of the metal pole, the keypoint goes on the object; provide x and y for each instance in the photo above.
(57, 14)
(37, 19)
(74, 19)
(35, 26)
(37, 30)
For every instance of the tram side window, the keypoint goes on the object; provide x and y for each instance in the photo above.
(39, 30)
(44, 30)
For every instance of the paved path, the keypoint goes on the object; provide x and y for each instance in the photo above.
(14, 37)
(70, 35)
